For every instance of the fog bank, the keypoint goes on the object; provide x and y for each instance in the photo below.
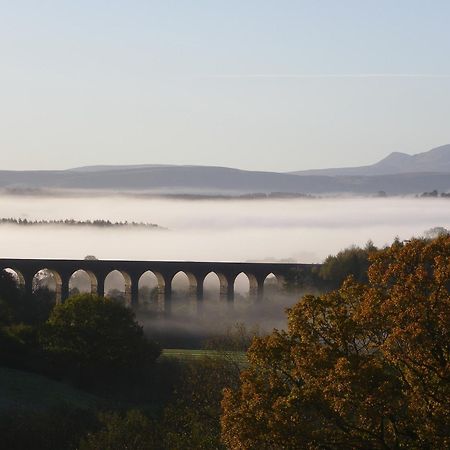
(301, 230)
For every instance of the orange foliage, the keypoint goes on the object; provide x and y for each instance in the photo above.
(363, 367)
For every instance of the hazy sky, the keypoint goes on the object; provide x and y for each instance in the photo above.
(256, 84)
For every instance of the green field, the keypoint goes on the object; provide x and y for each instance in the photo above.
(23, 390)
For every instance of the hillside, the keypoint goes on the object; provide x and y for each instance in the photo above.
(435, 160)
(397, 174)
(24, 390)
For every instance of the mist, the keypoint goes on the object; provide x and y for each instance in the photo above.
(298, 230)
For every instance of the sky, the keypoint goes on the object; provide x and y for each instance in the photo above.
(255, 84)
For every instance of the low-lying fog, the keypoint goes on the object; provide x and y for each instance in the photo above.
(302, 230)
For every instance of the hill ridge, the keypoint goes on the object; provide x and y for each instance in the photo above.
(396, 174)
(435, 160)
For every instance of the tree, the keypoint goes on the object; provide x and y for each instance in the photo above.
(58, 427)
(10, 298)
(334, 270)
(133, 431)
(351, 261)
(433, 193)
(435, 232)
(18, 307)
(192, 420)
(93, 331)
(20, 316)
(366, 366)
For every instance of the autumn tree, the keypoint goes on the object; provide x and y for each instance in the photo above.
(364, 367)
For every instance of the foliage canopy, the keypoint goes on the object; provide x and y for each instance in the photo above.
(97, 332)
(366, 366)
(134, 431)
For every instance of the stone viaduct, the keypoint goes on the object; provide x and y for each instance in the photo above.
(164, 271)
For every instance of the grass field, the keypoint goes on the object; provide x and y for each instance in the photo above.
(23, 390)
(184, 354)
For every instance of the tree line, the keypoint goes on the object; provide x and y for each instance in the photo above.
(78, 223)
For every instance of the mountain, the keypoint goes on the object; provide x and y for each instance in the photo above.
(435, 160)
(107, 168)
(166, 179)
(397, 174)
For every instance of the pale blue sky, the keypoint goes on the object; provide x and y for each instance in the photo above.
(255, 84)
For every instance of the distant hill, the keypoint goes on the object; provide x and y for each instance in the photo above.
(435, 160)
(107, 168)
(397, 174)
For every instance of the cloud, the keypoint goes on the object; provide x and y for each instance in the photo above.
(302, 230)
(326, 76)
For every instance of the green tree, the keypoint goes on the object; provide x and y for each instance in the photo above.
(363, 367)
(18, 307)
(20, 316)
(93, 331)
(351, 261)
(10, 298)
(332, 272)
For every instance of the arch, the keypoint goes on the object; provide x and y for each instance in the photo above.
(151, 289)
(48, 277)
(83, 281)
(17, 275)
(273, 284)
(117, 285)
(212, 287)
(224, 284)
(246, 285)
(184, 293)
(192, 279)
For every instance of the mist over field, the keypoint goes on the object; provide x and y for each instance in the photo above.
(300, 230)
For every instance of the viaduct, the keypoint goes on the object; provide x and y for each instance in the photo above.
(164, 271)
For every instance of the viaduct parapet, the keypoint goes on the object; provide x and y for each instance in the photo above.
(164, 271)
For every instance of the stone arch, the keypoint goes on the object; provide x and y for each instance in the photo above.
(244, 278)
(191, 278)
(17, 275)
(214, 286)
(184, 297)
(88, 285)
(42, 274)
(273, 284)
(114, 281)
(155, 284)
(225, 285)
